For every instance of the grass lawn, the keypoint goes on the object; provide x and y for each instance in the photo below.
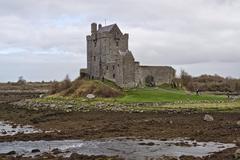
(165, 95)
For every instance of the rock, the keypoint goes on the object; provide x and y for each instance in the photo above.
(238, 123)
(56, 151)
(168, 158)
(238, 142)
(75, 156)
(14, 126)
(147, 144)
(52, 105)
(184, 157)
(208, 118)
(35, 150)
(237, 154)
(90, 96)
(11, 153)
(69, 106)
(3, 131)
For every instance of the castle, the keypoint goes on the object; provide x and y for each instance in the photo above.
(108, 57)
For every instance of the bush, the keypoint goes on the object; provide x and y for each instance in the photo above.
(209, 83)
(21, 81)
(60, 86)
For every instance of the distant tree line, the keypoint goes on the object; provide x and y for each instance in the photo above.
(206, 82)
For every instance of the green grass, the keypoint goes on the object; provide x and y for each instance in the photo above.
(149, 95)
(172, 99)
(165, 95)
(225, 106)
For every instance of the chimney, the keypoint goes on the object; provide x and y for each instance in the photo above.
(93, 28)
(99, 26)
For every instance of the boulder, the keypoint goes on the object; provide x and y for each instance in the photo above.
(208, 118)
(237, 154)
(56, 151)
(3, 131)
(238, 123)
(35, 150)
(90, 96)
(11, 153)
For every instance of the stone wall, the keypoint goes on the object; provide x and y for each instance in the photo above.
(161, 74)
(128, 69)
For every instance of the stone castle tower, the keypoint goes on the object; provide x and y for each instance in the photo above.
(108, 57)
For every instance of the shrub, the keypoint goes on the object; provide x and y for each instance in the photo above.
(61, 86)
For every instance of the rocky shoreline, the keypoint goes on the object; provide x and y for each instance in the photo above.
(72, 106)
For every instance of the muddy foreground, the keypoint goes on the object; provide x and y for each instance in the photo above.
(97, 125)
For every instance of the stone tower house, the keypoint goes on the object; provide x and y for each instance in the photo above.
(108, 57)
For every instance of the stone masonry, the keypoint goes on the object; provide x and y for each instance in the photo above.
(108, 57)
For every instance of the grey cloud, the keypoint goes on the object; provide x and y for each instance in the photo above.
(167, 32)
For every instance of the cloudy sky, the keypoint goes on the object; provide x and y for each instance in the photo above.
(45, 39)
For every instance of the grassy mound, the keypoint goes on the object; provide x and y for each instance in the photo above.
(81, 88)
(165, 95)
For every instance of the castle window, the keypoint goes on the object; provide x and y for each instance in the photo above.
(106, 67)
(117, 43)
(113, 75)
(113, 67)
(95, 43)
(94, 58)
(118, 65)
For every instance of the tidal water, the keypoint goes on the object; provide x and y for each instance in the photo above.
(12, 129)
(123, 147)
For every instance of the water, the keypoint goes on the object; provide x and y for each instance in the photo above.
(7, 129)
(125, 148)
